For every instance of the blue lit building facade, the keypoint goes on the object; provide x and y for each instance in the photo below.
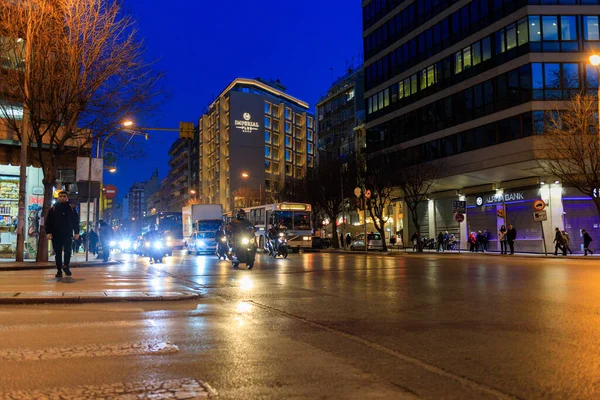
(468, 82)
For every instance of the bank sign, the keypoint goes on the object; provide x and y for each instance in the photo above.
(499, 198)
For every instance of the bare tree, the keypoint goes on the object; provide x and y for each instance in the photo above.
(416, 183)
(246, 197)
(82, 73)
(572, 148)
(378, 183)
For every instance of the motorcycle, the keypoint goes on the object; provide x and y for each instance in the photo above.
(222, 248)
(155, 250)
(280, 248)
(244, 251)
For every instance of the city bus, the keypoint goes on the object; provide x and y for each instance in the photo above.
(168, 223)
(295, 217)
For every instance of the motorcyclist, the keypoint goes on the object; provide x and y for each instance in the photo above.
(272, 235)
(239, 225)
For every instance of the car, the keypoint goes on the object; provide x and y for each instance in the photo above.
(373, 240)
(201, 242)
(317, 242)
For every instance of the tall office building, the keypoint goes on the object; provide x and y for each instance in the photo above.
(254, 135)
(468, 83)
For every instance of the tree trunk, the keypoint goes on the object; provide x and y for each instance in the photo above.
(42, 247)
(415, 216)
(335, 243)
(597, 203)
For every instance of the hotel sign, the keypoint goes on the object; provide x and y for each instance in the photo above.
(246, 124)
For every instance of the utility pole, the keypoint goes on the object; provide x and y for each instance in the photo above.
(20, 248)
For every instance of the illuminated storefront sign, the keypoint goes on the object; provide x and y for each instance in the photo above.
(246, 125)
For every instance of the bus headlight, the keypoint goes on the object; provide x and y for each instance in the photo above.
(125, 245)
(146, 244)
(158, 245)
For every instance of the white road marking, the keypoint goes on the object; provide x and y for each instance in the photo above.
(94, 350)
(171, 389)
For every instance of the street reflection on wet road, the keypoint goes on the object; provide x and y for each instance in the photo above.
(528, 327)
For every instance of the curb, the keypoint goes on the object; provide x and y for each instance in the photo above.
(93, 299)
(531, 256)
(52, 266)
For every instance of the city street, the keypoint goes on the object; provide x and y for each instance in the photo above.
(321, 325)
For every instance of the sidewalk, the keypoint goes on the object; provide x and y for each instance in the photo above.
(110, 283)
(77, 261)
(409, 252)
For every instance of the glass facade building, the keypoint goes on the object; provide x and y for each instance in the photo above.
(468, 83)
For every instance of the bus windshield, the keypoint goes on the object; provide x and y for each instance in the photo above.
(283, 219)
(301, 221)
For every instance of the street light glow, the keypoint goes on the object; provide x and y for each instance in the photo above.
(112, 169)
(245, 175)
(127, 123)
(192, 191)
(595, 60)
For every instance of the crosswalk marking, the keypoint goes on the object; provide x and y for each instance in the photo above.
(188, 389)
(95, 350)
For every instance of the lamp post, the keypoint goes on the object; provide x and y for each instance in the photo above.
(595, 61)
(245, 175)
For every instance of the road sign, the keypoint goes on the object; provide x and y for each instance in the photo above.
(110, 191)
(357, 192)
(459, 206)
(459, 217)
(539, 216)
(539, 205)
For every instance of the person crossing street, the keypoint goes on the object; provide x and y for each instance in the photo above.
(62, 226)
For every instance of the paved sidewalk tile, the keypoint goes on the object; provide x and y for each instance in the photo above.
(40, 294)
(84, 294)
(125, 293)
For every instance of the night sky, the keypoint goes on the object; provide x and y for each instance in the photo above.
(203, 45)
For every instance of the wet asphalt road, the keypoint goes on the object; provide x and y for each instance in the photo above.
(325, 326)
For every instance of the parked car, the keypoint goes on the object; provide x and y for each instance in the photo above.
(374, 242)
(317, 242)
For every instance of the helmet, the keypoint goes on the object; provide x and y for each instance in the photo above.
(241, 214)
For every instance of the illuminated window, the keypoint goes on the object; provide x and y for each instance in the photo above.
(267, 107)
(309, 122)
(288, 113)
(267, 122)
(288, 127)
(310, 148)
(288, 141)
(288, 155)
(268, 151)
(267, 137)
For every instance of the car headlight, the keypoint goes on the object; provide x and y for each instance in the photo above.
(281, 234)
(125, 244)
(112, 243)
(158, 245)
(146, 244)
(245, 241)
(223, 239)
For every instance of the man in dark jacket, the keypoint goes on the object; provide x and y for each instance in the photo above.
(62, 225)
(558, 240)
(511, 236)
(587, 239)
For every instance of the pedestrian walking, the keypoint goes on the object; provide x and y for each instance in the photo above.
(511, 236)
(106, 235)
(348, 240)
(440, 242)
(566, 243)
(587, 239)
(93, 242)
(558, 241)
(472, 242)
(414, 239)
(479, 241)
(342, 241)
(502, 239)
(486, 240)
(62, 226)
(446, 241)
(76, 245)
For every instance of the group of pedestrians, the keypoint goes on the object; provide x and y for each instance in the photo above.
(479, 241)
(562, 242)
(445, 241)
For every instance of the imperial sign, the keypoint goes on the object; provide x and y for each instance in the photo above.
(246, 125)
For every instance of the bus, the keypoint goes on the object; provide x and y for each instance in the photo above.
(169, 223)
(295, 217)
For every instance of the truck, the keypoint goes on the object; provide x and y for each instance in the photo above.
(200, 223)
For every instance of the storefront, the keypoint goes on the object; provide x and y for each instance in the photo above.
(579, 212)
(489, 211)
(9, 201)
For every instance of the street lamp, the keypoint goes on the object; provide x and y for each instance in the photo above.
(595, 61)
(112, 169)
(245, 175)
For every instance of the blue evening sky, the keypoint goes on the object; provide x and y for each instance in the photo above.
(203, 45)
